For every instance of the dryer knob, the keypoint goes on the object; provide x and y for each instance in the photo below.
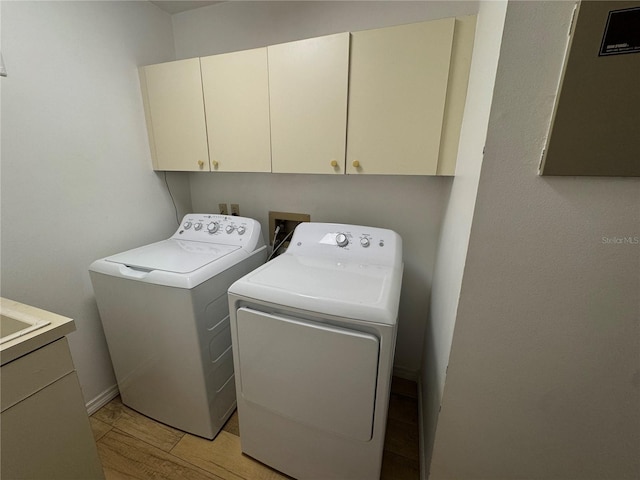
(212, 227)
(229, 229)
(187, 225)
(198, 226)
(241, 230)
(342, 240)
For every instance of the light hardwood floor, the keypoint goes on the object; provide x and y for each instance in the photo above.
(134, 447)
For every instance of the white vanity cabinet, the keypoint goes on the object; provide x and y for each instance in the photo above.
(44, 426)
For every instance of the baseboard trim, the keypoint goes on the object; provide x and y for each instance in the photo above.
(406, 374)
(424, 474)
(101, 400)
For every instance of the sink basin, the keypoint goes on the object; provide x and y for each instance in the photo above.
(19, 324)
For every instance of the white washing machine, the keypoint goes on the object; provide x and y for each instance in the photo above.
(165, 315)
(313, 335)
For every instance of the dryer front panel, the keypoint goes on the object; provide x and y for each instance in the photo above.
(319, 375)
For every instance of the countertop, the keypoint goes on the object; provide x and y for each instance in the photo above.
(58, 327)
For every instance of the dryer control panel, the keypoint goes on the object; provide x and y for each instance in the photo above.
(220, 229)
(367, 245)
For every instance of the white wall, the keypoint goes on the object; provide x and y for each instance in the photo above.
(544, 372)
(413, 206)
(77, 182)
(232, 26)
(456, 227)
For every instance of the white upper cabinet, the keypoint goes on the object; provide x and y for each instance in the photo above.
(172, 93)
(385, 101)
(236, 99)
(397, 98)
(308, 86)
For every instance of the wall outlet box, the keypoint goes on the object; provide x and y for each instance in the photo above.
(287, 222)
(235, 209)
(222, 209)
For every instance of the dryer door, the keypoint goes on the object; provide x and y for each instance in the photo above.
(315, 374)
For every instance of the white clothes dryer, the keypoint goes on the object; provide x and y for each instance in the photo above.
(313, 334)
(164, 311)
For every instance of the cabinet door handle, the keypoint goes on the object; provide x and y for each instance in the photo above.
(200, 163)
(356, 164)
(334, 163)
(214, 163)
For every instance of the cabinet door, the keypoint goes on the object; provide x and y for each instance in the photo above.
(48, 435)
(236, 98)
(397, 94)
(175, 115)
(308, 85)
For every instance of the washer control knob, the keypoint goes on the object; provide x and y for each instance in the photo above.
(230, 228)
(198, 226)
(342, 240)
(187, 225)
(212, 227)
(365, 242)
(241, 230)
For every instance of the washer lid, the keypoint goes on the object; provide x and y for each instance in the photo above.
(176, 256)
(344, 289)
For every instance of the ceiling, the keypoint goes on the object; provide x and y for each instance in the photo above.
(181, 5)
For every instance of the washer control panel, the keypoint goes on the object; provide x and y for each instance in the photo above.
(349, 242)
(221, 229)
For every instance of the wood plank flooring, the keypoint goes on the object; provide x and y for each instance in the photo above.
(134, 447)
